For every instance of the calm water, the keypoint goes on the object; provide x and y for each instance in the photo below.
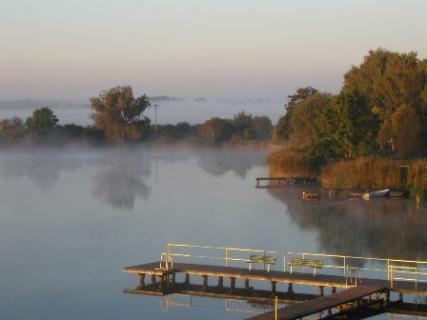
(70, 220)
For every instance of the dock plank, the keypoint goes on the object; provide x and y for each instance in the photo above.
(320, 304)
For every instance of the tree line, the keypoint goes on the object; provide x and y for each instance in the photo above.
(118, 117)
(381, 110)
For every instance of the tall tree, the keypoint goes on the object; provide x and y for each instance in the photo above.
(406, 128)
(356, 125)
(119, 114)
(389, 80)
(41, 122)
(283, 127)
(303, 121)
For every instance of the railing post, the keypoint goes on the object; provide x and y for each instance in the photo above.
(226, 256)
(344, 264)
(388, 269)
(264, 259)
(284, 261)
(416, 278)
(168, 257)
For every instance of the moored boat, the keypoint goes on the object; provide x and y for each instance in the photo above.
(375, 194)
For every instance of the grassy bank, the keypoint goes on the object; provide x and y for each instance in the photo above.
(360, 173)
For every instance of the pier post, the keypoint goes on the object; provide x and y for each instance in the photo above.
(273, 287)
(153, 279)
(220, 282)
(171, 281)
(246, 283)
(321, 291)
(233, 283)
(387, 297)
(334, 290)
(205, 282)
(187, 278)
(142, 280)
(161, 281)
(401, 296)
(290, 288)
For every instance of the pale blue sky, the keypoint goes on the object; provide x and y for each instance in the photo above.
(223, 48)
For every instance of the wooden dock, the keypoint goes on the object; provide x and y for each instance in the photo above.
(298, 278)
(349, 281)
(277, 182)
(328, 303)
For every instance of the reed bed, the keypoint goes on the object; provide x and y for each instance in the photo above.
(361, 173)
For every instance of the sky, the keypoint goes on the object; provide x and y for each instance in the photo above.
(56, 49)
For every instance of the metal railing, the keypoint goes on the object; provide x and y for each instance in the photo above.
(227, 255)
(353, 268)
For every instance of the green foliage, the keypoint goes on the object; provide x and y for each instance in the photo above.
(389, 80)
(347, 128)
(242, 127)
(283, 127)
(119, 114)
(41, 122)
(216, 130)
(304, 124)
(406, 131)
(262, 127)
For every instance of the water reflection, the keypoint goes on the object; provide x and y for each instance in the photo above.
(225, 160)
(122, 175)
(41, 168)
(119, 188)
(382, 228)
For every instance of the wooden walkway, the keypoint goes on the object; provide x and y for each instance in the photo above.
(284, 181)
(321, 304)
(298, 278)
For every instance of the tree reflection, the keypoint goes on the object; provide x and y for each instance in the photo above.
(41, 168)
(219, 161)
(382, 228)
(122, 182)
(119, 188)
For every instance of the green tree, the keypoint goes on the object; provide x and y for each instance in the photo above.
(119, 114)
(41, 122)
(216, 130)
(304, 119)
(389, 80)
(406, 127)
(356, 125)
(263, 127)
(283, 127)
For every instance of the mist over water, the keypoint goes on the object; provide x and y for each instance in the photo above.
(71, 219)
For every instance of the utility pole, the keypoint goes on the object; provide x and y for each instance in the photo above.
(155, 117)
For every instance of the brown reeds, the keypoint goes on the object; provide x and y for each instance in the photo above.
(290, 161)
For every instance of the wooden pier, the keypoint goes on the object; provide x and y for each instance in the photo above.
(277, 182)
(338, 301)
(350, 291)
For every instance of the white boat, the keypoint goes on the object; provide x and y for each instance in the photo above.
(375, 194)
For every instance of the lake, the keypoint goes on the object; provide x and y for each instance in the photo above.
(71, 219)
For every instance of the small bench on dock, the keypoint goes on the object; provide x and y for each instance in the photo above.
(311, 263)
(262, 259)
